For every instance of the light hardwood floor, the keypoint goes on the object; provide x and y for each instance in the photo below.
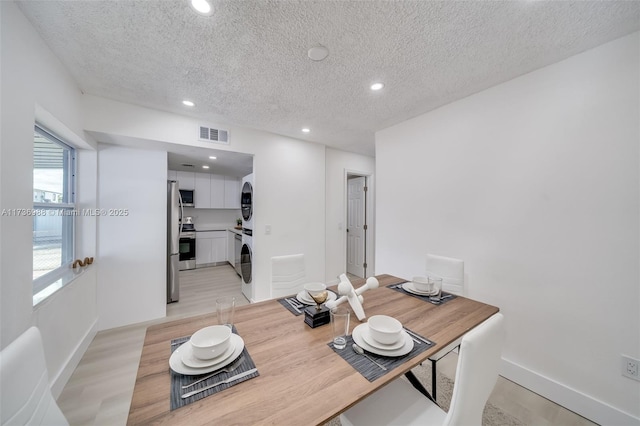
(99, 391)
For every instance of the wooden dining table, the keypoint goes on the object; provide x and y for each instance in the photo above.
(302, 380)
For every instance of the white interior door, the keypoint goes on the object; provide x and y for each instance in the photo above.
(356, 226)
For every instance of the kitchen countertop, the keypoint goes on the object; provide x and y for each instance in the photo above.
(207, 227)
(217, 227)
(235, 231)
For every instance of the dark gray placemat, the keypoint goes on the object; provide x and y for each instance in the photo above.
(284, 303)
(444, 299)
(178, 380)
(371, 371)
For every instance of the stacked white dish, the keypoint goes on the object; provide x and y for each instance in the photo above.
(420, 286)
(207, 350)
(383, 335)
(303, 297)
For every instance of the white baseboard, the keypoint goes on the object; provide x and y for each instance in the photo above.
(69, 367)
(585, 405)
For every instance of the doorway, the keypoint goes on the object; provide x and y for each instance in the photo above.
(357, 226)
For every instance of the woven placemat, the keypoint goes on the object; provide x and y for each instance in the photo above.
(443, 299)
(179, 380)
(296, 311)
(370, 370)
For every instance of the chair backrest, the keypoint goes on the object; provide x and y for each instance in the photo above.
(288, 275)
(477, 372)
(24, 381)
(450, 270)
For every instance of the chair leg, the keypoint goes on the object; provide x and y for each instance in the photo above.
(416, 384)
(433, 378)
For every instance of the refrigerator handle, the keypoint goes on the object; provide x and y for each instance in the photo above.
(181, 215)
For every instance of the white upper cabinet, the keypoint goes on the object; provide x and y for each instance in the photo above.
(231, 192)
(202, 192)
(210, 191)
(186, 180)
(217, 192)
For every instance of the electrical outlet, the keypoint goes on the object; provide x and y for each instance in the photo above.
(630, 367)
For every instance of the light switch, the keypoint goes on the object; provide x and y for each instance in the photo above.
(267, 229)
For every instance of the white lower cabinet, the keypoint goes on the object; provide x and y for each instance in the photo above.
(211, 247)
(231, 248)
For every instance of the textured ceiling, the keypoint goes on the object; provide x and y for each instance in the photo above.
(247, 65)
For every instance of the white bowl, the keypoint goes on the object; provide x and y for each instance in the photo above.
(210, 342)
(422, 284)
(315, 286)
(385, 329)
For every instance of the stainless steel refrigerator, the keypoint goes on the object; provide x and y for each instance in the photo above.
(174, 214)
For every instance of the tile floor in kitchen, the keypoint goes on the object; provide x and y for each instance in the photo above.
(99, 391)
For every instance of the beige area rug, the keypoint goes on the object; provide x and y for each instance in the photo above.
(492, 415)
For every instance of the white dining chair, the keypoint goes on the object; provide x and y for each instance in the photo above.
(451, 271)
(24, 381)
(288, 275)
(399, 403)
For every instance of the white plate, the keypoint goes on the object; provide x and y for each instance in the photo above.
(366, 335)
(412, 289)
(176, 364)
(307, 300)
(190, 360)
(405, 349)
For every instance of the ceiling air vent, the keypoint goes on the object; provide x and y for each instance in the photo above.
(210, 134)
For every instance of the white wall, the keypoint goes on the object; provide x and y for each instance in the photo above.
(288, 195)
(33, 79)
(132, 249)
(289, 179)
(206, 218)
(535, 185)
(339, 163)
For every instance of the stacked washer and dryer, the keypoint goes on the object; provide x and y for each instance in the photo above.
(246, 254)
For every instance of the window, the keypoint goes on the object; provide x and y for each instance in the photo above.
(53, 211)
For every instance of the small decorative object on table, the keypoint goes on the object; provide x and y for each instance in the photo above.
(318, 315)
(353, 296)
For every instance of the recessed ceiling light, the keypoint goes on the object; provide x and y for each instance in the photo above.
(377, 86)
(188, 103)
(202, 7)
(211, 157)
(205, 167)
(306, 130)
(318, 53)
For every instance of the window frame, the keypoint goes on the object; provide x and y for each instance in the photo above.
(55, 277)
